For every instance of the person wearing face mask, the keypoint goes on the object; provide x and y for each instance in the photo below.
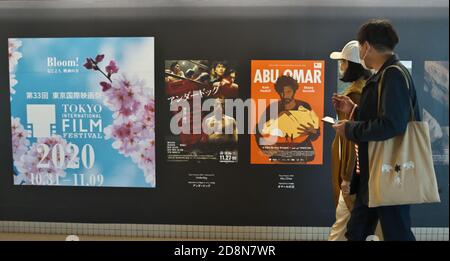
(343, 156)
(377, 40)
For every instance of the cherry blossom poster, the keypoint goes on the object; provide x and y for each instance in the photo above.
(82, 111)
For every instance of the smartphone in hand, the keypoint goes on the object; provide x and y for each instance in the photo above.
(329, 120)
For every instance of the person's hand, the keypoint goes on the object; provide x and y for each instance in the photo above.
(339, 127)
(345, 187)
(307, 130)
(225, 81)
(342, 103)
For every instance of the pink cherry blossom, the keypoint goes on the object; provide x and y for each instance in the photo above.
(133, 127)
(33, 160)
(105, 86)
(89, 64)
(19, 135)
(112, 68)
(14, 43)
(13, 54)
(145, 158)
(99, 58)
(124, 96)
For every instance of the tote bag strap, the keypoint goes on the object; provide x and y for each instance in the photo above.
(380, 84)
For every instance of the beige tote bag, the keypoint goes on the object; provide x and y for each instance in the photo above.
(401, 168)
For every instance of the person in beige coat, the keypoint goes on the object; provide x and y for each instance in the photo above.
(343, 157)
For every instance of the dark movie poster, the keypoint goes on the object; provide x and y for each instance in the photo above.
(201, 129)
(435, 108)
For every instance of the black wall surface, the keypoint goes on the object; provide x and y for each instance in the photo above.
(244, 194)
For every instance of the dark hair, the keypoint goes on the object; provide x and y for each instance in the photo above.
(379, 33)
(354, 72)
(231, 71)
(189, 73)
(216, 63)
(283, 81)
(172, 66)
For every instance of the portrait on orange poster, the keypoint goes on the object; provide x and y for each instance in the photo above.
(293, 134)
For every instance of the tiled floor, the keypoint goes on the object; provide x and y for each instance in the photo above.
(54, 237)
(18, 230)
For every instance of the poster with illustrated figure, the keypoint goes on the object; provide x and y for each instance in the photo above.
(83, 111)
(201, 128)
(288, 105)
(434, 104)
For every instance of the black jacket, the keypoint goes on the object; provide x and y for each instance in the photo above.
(394, 117)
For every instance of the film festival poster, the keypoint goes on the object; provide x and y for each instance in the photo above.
(205, 134)
(82, 111)
(294, 134)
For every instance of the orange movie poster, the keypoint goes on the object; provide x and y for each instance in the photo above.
(293, 133)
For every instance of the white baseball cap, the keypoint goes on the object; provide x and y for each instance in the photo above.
(350, 52)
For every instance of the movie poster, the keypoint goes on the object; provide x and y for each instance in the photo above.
(434, 104)
(295, 90)
(201, 129)
(83, 111)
